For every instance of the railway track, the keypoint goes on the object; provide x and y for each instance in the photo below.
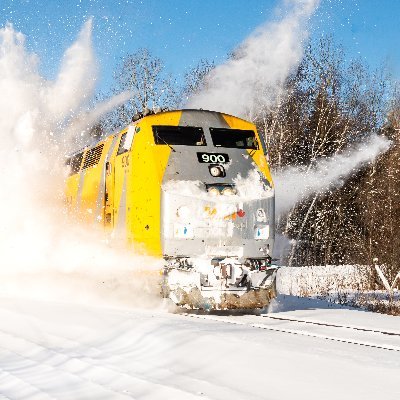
(320, 323)
(350, 334)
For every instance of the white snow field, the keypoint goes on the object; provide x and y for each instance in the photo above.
(301, 349)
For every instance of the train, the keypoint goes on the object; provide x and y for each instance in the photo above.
(192, 187)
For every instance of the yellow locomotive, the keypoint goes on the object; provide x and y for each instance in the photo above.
(193, 187)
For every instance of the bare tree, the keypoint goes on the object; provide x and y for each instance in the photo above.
(195, 79)
(143, 75)
(379, 200)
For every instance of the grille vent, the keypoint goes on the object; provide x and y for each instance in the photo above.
(93, 156)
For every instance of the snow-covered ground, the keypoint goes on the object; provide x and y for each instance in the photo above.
(301, 349)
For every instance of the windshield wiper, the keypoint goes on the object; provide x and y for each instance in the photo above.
(160, 138)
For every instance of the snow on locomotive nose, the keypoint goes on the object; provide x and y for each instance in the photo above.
(193, 187)
(225, 230)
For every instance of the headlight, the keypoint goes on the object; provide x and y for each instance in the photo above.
(213, 191)
(228, 191)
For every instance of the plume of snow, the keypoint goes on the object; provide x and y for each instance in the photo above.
(82, 122)
(76, 79)
(295, 184)
(255, 75)
(40, 248)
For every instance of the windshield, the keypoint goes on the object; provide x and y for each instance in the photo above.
(179, 135)
(234, 138)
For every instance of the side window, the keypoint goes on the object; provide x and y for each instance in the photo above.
(75, 163)
(126, 141)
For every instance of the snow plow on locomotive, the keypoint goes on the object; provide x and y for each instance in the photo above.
(193, 187)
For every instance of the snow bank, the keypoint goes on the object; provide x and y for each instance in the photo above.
(353, 285)
(323, 280)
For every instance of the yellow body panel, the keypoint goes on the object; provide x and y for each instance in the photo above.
(71, 190)
(120, 171)
(143, 198)
(90, 206)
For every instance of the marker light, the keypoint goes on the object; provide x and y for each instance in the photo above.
(241, 213)
(261, 215)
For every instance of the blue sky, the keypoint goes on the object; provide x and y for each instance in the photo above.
(181, 32)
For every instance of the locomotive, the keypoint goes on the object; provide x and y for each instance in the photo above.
(190, 186)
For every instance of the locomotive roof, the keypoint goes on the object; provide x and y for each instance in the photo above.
(192, 113)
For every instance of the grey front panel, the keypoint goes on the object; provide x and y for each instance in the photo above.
(183, 163)
(212, 228)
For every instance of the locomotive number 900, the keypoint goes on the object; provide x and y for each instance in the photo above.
(213, 158)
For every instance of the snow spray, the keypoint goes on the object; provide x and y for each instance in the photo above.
(42, 253)
(295, 184)
(255, 75)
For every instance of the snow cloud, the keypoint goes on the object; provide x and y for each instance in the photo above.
(255, 75)
(42, 252)
(295, 184)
